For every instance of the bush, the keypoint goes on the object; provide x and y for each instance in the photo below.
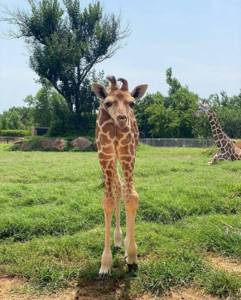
(13, 132)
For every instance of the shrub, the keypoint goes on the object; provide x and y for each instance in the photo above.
(13, 132)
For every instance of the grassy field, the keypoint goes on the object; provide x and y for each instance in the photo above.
(51, 223)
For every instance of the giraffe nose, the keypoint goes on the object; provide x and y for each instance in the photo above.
(122, 118)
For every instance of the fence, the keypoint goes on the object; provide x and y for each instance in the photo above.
(8, 139)
(172, 142)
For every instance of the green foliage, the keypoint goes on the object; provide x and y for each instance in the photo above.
(229, 112)
(173, 116)
(221, 284)
(66, 41)
(10, 132)
(16, 118)
(49, 110)
(177, 269)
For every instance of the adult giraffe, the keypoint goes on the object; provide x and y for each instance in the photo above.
(116, 138)
(228, 150)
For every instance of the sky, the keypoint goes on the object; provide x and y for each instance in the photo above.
(200, 40)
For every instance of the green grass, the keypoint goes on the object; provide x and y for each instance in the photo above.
(51, 223)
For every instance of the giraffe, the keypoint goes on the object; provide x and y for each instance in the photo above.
(117, 138)
(228, 150)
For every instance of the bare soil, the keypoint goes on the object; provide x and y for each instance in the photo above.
(225, 263)
(16, 289)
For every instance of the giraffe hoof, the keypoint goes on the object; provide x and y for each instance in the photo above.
(104, 276)
(104, 273)
(132, 268)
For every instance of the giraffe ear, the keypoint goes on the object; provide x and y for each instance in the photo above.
(99, 91)
(139, 91)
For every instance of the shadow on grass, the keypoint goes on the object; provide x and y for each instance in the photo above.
(115, 286)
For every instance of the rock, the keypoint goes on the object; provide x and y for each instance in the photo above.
(45, 144)
(58, 144)
(81, 143)
(52, 144)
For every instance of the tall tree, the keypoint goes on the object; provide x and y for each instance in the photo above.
(65, 43)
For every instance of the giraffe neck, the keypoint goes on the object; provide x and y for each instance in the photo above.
(107, 133)
(220, 137)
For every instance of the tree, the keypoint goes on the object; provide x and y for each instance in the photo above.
(41, 105)
(142, 115)
(229, 112)
(184, 102)
(164, 121)
(16, 118)
(66, 42)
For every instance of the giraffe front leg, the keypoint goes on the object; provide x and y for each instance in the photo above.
(217, 157)
(108, 206)
(106, 259)
(131, 205)
(213, 160)
(117, 231)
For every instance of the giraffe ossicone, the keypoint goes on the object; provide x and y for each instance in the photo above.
(228, 150)
(116, 139)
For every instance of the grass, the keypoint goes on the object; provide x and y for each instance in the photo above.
(51, 223)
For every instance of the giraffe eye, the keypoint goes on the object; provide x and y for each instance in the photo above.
(108, 104)
(131, 104)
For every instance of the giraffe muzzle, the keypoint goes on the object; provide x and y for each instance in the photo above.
(122, 121)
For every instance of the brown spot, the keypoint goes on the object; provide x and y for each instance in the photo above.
(108, 173)
(111, 164)
(109, 128)
(119, 134)
(125, 165)
(126, 140)
(104, 139)
(108, 149)
(124, 150)
(104, 163)
(126, 158)
(103, 116)
(132, 149)
(104, 156)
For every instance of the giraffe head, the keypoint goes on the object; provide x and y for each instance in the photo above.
(203, 107)
(117, 100)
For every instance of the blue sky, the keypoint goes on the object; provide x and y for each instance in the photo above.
(200, 40)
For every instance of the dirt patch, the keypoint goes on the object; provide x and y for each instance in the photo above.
(16, 289)
(224, 263)
(189, 294)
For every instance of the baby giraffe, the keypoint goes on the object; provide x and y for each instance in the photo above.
(227, 148)
(117, 138)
